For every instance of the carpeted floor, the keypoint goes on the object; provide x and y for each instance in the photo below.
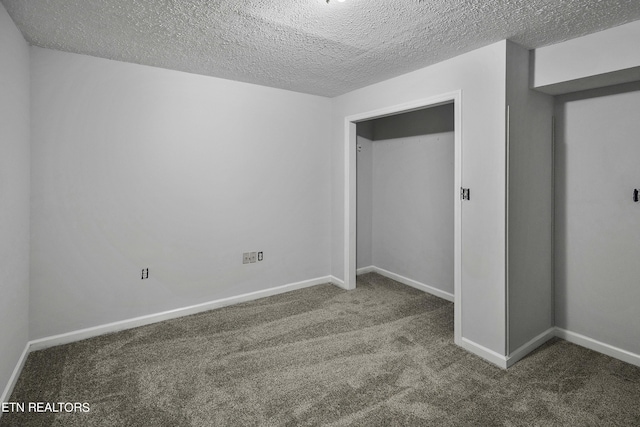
(382, 355)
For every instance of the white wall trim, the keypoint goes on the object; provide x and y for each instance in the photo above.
(489, 355)
(507, 333)
(457, 212)
(94, 331)
(338, 282)
(531, 345)
(69, 337)
(6, 394)
(600, 347)
(365, 270)
(350, 203)
(413, 283)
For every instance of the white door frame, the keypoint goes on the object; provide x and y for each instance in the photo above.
(350, 142)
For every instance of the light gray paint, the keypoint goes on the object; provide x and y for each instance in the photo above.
(413, 175)
(481, 77)
(530, 216)
(597, 223)
(364, 229)
(14, 196)
(305, 45)
(595, 60)
(137, 167)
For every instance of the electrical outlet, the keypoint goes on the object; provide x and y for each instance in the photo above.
(253, 256)
(145, 273)
(260, 256)
(246, 257)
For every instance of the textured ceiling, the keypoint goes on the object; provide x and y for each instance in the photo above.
(305, 45)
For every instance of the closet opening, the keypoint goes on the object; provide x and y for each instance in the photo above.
(402, 209)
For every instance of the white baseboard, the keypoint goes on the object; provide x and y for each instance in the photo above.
(600, 347)
(82, 334)
(531, 345)
(410, 282)
(489, 355)
(337, 282)
(6, 394)
(364, 270)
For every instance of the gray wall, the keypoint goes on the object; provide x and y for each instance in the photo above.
(137, 167)
(411, 181)
(597, 223)
(14, 196)
(530, 204)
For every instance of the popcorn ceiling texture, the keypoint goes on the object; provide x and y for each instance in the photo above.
(305, 45)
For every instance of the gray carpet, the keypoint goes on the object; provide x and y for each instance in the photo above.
(382, 355)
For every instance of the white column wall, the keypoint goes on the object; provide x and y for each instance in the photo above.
(530, 206)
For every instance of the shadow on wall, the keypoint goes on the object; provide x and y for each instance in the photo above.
(425, 121)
